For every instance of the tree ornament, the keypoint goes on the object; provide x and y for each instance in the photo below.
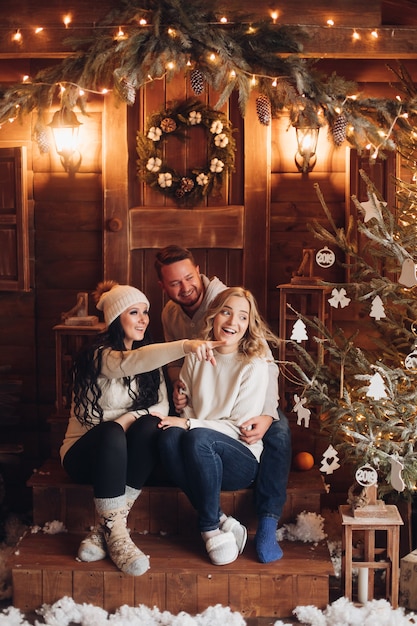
(372, 208)
(376, 388)
(42, 139)
(339, 297)
(263, 109)
(377, 308)
(330, 461)
(179, 121)
(339, 129)
(325, 257)
(299, 332)
(410, 361)
(396, 478)
(197, 82)
(408, 276)
(303, 414)
(366, 475)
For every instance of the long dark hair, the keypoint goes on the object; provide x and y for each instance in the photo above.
(87, 368)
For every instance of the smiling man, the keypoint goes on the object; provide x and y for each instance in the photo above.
(190, 295)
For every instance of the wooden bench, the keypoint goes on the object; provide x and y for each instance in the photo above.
(181, 578)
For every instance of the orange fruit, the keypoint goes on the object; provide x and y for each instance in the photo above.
(303, 461)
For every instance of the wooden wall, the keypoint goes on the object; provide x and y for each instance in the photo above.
(72, 243)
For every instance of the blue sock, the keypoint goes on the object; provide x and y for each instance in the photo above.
(267, 546)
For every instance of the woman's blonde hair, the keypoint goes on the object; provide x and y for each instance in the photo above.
(254, 341)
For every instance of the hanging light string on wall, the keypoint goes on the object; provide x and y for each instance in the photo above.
(135, 46)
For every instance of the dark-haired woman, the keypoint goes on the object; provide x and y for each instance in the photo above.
(111, 438)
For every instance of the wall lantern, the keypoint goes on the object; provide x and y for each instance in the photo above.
(65, 127)
(305, 157)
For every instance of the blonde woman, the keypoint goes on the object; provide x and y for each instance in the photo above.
(203, 450)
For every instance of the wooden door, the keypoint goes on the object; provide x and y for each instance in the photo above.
(227, 232)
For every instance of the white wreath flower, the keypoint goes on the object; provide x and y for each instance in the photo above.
(216, 165)
(165, 180)
(221, 140)
(202, 179)
(194, 118)
(154, 164)
(216, 127)
(155, 133)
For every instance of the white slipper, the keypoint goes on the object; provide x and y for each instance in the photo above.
(241, 534)
(222, 549)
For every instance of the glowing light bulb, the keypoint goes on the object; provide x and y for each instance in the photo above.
(274, 15)
(142, 21)
(67, 19)
(38, 30)
(330, 22)
(355, 35)
(374, 34)
(17, 36)
(223, 20)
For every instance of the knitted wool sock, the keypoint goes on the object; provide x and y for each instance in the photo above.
(122, 551)
(267, 546)
(94, 547)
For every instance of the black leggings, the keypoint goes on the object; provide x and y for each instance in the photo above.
(109, 458)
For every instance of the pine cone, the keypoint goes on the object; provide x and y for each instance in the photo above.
(339, 129)
(263, 109)
(128, 91)
(187, 184)
(168, 125)
(43, 141)
(197, 82)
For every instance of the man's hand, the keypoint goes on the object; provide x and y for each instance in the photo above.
(254, 429)
(179, 397)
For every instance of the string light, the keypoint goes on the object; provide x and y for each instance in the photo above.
(330, 22)
(17, 36)
(38, 30)
(274, 16)
(355, 35)
(67, 19)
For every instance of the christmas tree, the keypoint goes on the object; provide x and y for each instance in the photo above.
(366, 398)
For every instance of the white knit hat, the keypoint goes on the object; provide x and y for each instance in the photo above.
(118, 299)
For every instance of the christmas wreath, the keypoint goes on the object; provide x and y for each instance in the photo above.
(191, 186)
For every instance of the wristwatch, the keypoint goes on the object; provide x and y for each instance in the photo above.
(187, 424)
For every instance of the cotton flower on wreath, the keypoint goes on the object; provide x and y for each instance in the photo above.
(180, 121)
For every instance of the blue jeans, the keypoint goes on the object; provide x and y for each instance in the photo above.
(274, 468)
(203, 462)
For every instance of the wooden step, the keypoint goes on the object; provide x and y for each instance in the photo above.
(159, 508)
(181, 577)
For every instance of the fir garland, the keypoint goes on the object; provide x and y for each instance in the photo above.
(184, 36)
(179, 120)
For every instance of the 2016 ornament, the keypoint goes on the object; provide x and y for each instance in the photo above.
(325, 257)
(366, 475)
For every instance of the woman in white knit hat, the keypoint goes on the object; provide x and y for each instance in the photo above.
(111, 438)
